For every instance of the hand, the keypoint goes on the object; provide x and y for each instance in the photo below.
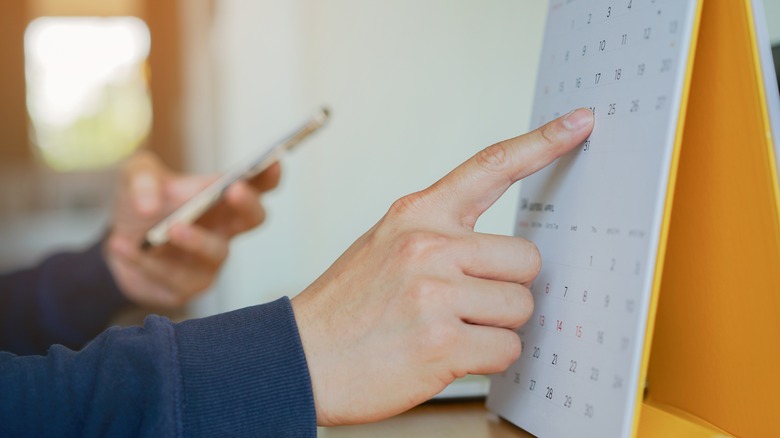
(421, 299)
(169, 276)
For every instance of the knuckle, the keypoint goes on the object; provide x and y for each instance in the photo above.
(418, 245)
(404, 205)
(547, 136)
(439, 338)
(493, 158)
(427, 292)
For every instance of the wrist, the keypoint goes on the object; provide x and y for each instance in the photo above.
(317, 369)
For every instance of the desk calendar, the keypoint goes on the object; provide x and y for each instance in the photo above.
(661, 231)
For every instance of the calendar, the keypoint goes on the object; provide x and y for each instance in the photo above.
(597, 214)
(656, 309)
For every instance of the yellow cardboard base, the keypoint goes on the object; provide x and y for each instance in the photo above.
(667, 422)
(715, 356)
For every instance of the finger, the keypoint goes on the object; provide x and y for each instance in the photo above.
(197, 242)
(170, 268)
(493, 303)
(475, 185)
(154, 292)
(487, 350)
(503, 258)
(158, 295)
(247, 211)
(182, 188)
(268, 179)
(144, 178)
(181, 280)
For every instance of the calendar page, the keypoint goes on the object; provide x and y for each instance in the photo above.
(596, 214)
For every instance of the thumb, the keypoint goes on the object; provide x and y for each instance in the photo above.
(475, 185)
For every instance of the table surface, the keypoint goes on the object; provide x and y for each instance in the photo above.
(451, 419)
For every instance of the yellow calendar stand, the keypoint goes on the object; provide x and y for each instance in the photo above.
(714, 365)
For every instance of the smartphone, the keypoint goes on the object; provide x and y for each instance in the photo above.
(191, 210)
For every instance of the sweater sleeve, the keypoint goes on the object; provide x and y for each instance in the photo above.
(68, 299)
(241, 373)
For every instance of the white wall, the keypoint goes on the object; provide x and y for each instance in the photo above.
(415, 86)
(772, 11)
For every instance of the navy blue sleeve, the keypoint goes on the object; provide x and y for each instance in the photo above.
(241, 373)
(68, 299)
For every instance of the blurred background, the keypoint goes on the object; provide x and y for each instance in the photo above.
(415, 86)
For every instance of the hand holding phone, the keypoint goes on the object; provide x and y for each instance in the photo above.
(191, 210)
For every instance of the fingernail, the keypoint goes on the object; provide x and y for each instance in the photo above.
(578, 119)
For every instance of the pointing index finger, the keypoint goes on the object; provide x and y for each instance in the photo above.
(475, 185)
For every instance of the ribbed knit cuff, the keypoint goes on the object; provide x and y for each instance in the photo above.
(244, 373)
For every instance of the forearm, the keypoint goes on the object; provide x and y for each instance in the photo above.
(241, 373)
(120, 385)
(68, 299)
